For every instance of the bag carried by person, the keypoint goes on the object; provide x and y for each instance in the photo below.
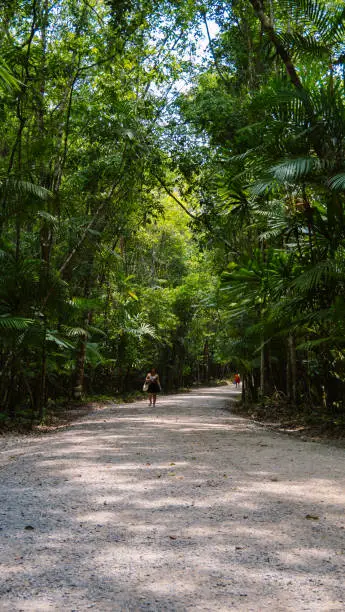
(145, 386)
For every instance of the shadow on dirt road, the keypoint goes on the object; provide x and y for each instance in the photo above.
(186, 507)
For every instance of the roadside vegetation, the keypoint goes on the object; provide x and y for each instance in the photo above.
(172, 186)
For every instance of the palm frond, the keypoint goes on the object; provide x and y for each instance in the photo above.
(143, 329)
(302, 45)
(54, 338)
(309, 13)
(7, 79)
(15, 323)
(318, 14)
(49, 219)
(294, 169)
(337, 182)
(337, 30)
(20, 187)
(96, 330)
(263, 186)
(85, 304)
(312, 279)
(93, 355)
(310, 345)
(74, 332)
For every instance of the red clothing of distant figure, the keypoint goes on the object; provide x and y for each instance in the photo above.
(237, 379)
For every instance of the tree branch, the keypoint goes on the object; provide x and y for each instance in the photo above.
(177, 200)
(202, 219)
(274, 38)
(99, 63)
(83, 236)
(65, 140)
(99, 18)
(216, 63)
(88, 227)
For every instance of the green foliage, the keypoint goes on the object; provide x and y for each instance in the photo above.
(278, 139)
(171, 206)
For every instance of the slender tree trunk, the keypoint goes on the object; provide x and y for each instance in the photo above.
(80, 363)
(42, 392)
(206, 361)
(262, 370)
(288, 372)
(293, 368)
(42, 81)
(267, 25)
(270, 378)
(81, 357)
(46, 236)
(11, 391)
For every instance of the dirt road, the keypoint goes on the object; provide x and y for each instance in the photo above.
(182, 508)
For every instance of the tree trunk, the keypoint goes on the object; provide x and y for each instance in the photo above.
(267, 25)
(80, 362)
(293, 369)
(41, 399)
(262, 370)
(206, 361)
(288, 372)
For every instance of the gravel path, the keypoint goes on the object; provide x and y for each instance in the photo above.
(182, 508)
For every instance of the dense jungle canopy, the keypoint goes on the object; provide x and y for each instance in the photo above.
(172, 180)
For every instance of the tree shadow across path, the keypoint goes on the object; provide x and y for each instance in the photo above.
(185, 507)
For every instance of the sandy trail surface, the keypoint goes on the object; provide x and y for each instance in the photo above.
(184, 507)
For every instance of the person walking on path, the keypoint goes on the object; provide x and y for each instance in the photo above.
(237, 380)
(154, 386)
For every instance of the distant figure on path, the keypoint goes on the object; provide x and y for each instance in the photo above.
(154, 386)
(237, 380)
